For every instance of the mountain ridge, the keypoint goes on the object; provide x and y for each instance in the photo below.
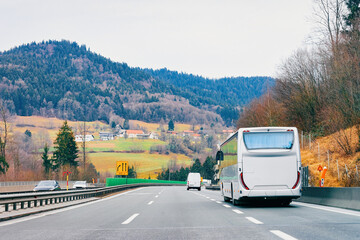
(63, 79)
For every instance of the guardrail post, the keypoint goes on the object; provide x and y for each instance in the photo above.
(46, 201)
(22, 205)
(29, 204)
(14, 206)
(41, 202)
(35, 203)
(51, 200)
(6, 207)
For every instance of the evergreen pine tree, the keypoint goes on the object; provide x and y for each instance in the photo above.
(171, 125)
(196, 167)
(46, 161)
(66, 150)
(126, 124)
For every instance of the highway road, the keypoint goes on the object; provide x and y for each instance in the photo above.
(174, 213)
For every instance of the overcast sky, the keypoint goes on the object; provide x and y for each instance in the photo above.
(212, 38)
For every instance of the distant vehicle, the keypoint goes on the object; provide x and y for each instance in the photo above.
(261, 164)
(47, 185)
(194, 181)
(79, 184)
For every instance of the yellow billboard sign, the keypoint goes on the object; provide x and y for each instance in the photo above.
(122, 168)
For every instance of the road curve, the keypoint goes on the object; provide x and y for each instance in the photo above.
(174, 213)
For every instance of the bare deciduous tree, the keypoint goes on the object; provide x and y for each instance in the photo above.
(3, 140)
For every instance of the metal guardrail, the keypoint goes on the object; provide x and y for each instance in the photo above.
(29, 183)
(35, 199)
(213, 187)
(61, 190)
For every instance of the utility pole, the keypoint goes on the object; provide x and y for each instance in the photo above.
(84, 149)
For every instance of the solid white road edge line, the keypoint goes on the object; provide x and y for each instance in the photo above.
(330, 209)
(150, 202)
(251, 219)
(282, 235)
(238, 211)
(9, 222)
(127, 221)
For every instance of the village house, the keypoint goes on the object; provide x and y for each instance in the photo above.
(106, 136)
(187, 133)
(134, 133)
(79, 138)
(227, 131)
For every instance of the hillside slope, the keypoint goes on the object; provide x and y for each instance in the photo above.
(65, 80)
(343, 170)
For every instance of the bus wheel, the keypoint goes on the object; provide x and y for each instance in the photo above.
(286, 203)
(199, 189)
(226, 199)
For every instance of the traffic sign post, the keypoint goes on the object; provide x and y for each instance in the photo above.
(322, 178)
(122, 168)
(67, 179)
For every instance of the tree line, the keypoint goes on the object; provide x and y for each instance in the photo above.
(318, 90)
(206, 170)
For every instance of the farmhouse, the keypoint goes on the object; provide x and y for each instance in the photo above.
(134, 133)
(79, 138)
(105, 136)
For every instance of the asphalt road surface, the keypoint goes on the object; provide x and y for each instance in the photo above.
(174, 213)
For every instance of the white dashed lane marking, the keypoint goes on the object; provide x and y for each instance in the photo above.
(127, 221)
(251, 219)
(238, 211)
(282, 235)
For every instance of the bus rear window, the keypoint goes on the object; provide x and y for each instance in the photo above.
(268, 140)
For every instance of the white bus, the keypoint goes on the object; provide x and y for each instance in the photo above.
(260, 164)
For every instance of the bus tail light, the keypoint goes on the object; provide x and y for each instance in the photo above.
(242, 181)
(297, 180)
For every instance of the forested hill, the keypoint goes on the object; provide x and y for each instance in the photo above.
(234, 91)
(63, 79)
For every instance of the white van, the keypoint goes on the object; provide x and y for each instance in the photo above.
(194, 181)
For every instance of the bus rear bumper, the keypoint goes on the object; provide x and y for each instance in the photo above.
(283, 193)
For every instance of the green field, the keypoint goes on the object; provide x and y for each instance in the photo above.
(122, 144)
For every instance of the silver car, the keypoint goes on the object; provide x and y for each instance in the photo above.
(47, 185)
(79, 184)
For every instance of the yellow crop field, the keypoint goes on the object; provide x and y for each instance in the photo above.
(37, 124)
(146, 164)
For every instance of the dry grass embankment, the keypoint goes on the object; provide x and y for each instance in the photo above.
(323, 145)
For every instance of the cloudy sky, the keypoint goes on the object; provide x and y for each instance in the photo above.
(212, 38)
